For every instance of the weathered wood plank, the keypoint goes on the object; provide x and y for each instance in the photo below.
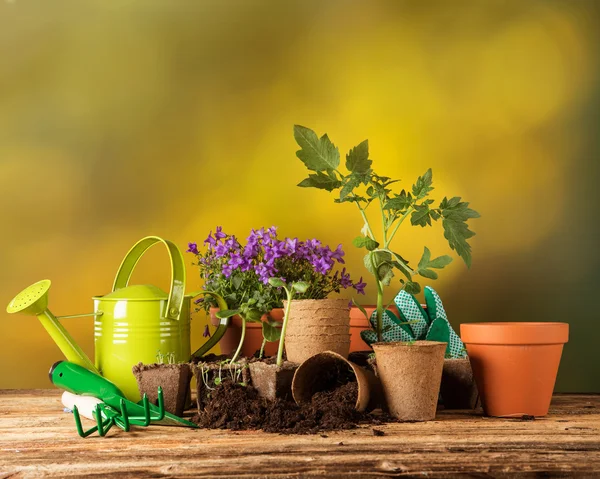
(37, 438)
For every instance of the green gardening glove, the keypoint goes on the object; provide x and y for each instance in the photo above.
(413, 323)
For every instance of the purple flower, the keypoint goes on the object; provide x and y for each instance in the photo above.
(235, 261)
(192, 248)
(198, 301)
(221, 250)
(206, 332)
(210, 241)
(219, 233)
(322, 265)
(345, 280)
(338, 253)
(360, 286)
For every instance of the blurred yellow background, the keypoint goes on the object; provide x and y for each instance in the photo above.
(123, 119)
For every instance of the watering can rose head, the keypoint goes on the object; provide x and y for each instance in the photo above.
(240, 272)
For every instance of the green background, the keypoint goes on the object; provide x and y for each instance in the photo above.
(123, 119)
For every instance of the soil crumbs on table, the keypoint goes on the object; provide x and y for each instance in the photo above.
(237, 407)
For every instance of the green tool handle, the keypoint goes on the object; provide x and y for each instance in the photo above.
(64, 341)
(78, 380)
(177, 291)
(221, 329)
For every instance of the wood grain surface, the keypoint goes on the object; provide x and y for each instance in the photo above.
(37, 438)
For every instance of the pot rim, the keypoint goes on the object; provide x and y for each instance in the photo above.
(406, 344)
(507, 333)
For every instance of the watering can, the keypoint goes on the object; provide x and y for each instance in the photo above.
(132, 323)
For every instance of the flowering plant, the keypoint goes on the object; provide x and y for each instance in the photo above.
(240, 272)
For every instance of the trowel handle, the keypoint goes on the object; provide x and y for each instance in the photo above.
(177, 292)
(85, 404)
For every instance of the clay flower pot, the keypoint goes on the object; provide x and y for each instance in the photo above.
(321, 371)
(411, 374)
(515, 364)
(174, 379)
(458, 387)
(254, 338)
(317, 325)
(272, 381)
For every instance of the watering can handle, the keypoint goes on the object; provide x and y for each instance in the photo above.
(177, 292)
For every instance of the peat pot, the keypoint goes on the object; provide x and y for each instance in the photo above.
(411, 374)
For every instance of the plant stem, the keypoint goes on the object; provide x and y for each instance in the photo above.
(383, 226)
(286, 317)
(379, 311)
(402, 218)
(239, 349)
(262, 348)
(364, 216)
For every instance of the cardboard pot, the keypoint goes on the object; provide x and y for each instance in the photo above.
(253, 340)
(411, 374)
(206, 373)
(174, 379)
(319, 373)
(317, 325)
(458, 387)
(515, 365)
(272, 381)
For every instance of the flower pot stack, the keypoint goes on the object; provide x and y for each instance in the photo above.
(316, 326)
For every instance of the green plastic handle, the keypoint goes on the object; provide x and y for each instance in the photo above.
(177, 292)
(221, 329)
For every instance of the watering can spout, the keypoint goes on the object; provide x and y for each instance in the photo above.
(33, 301)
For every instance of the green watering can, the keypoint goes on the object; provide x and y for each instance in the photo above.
(132, 323)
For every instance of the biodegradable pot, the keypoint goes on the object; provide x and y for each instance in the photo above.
(515, 365)
(317, 325)
(411, 374)
(206, 373)
(312, 376)
(174, 379)
(272, 381)
(254, 338)
(458, 387)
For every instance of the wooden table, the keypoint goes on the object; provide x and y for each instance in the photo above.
(37, 437)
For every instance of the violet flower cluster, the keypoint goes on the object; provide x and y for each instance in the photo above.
(239, 271)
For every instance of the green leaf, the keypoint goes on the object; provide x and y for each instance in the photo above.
(455, 214)
(320, 180)
(270, 331)
(357, 159)
(457, 233)
(362, 310)
(228, 313)
(300, 286)
(371, 244)
(236, 281)
(420, 216)
(427, 273)
(412, 288)
(425, 258)
(253, 315)
(423, 185)
(277, 282)
(318, 154)
(359, 241)
(399, 202)
(379, 264)
(349, 187)
(440, 262)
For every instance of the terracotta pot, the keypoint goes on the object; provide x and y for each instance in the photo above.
(312, 376)
(458, 387)
(254, 338)
(515, 364)
(174, 379)
(272, 381)
(311, 327)
(411, 374)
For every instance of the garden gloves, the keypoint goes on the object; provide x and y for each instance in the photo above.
(414, 323)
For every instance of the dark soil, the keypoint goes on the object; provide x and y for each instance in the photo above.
(237, 407)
